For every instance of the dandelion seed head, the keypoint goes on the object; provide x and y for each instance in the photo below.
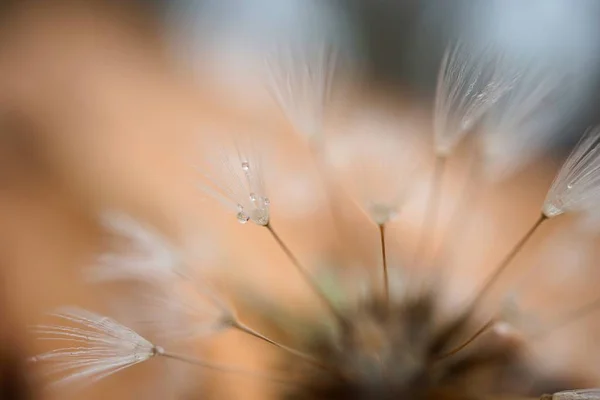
(577, 184)
(95, 348)
(470, 81)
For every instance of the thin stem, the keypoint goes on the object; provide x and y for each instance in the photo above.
(220, 367)
(307, 277)
(432, 208)
(480, 332)
(386, 281)
(240, 326)
(507, 260)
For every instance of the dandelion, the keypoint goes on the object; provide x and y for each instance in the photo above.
(577, 185)
(300, 79)
(390, 347)
(97, 349)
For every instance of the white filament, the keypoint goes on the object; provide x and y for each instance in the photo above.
(146, 255)
(469, 83)
(300, 79)
(577, 184)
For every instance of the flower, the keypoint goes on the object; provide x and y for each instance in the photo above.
(577, 184)
(300, 80)
(236, 180)
(147, 255)
(97, 349)
(469, 83)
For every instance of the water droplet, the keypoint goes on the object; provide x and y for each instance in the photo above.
(570, 185)
(246, 166)
(266, 201)
(253, 197)
(242, 217)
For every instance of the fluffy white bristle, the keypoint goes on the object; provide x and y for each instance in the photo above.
(577, 185)
(469, 83)
(145, 254)
(300, 79)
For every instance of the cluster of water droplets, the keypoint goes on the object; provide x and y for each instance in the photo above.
(257, 208)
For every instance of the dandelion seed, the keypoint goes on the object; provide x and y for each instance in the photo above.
(182, 312)
(300, 80)
(146, 256)
(377, 169)
(236, 180)
(577, 184)
(469, 82)
(97, 349)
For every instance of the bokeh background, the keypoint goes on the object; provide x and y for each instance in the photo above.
(106, 104)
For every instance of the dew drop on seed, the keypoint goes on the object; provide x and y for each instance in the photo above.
(253, 197)
(246, 166)
(242, 217)
(266, 201)
(570, 185)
